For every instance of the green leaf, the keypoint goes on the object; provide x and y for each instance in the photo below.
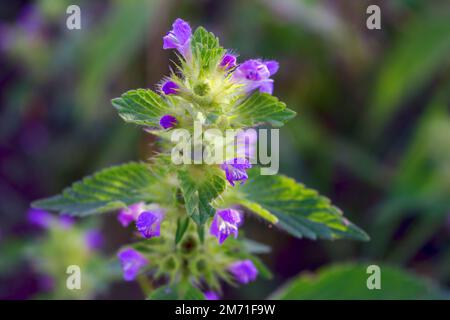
(107, 190)
(419, 54)
(177, 292)
(261, 108)
(349, 281)
(200, 185)
(260, 211)
(300, 211)
(182, 225)
(201, 232)
(206, 49)
(141, 106)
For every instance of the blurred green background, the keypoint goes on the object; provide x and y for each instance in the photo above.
(372, 131)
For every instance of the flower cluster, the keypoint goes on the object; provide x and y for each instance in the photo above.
(205, 84)
(234, 79)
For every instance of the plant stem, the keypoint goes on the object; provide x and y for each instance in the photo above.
(145, 284)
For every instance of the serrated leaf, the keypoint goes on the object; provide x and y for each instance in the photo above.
(182, 225)
(141, 106)
(177, 292)
(256, 208)
(349, 281)
(261, 108)
(300, 211)
(200, 185)
(206, 49)
(106, 190)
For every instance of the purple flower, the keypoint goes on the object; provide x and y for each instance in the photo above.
(246, 143)
(255, 74)
(235, 170)
(169, 87)
(179, 38)
(149, 223)
(131, 261)
(228, 61)
(40, 218)
(244, 271)
(211, 295)
(94, 239)
(225, 222)
(130, 214)
(167, 121)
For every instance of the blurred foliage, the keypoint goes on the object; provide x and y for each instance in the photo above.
(60, 248)
(372, 131)
(349, 282)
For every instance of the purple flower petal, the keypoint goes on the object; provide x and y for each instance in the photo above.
(272, 66)
(228, 61)
(235, 170)
(255, 74)
(225, 222)
(169, 87)
(167, 121)
(132, 262)
(266, 86)
(94, 239)
(149, 223)
(40, 218)
(179, 37)
(211, 295)
(66, 221)
(244, 271)
(130, 214)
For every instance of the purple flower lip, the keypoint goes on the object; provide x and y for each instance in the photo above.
(179, 38)
(130, 214)
(168, 121)
(235, 170)
(149, 223)
(225, 223)
(132, 262)
(255, 74)
(169, 87)
(228, 61)
(244, 271)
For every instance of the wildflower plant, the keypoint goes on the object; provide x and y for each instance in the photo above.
(188, 216)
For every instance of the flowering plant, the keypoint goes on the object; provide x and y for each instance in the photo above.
(188, 214)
